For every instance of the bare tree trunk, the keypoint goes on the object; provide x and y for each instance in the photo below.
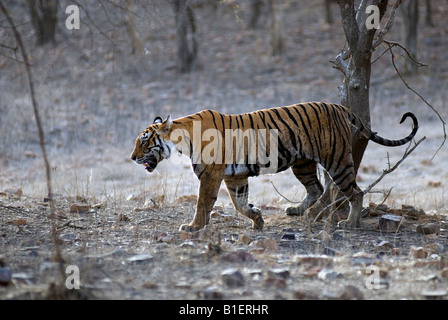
(409, 9)
(44, 18)
(355, 64)
(187, 46)
(255, 10)
(137, 47)
(276, 28)
(329, 16)
(428, 16)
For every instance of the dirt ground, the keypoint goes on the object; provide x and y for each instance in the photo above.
(118, 225)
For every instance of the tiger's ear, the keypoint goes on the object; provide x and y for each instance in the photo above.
(165, 126)
(158, 120)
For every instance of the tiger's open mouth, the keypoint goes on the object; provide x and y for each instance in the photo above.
(150, 165)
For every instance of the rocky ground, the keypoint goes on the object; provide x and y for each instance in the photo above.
(117, 225)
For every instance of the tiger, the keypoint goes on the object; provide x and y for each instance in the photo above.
(301, 136)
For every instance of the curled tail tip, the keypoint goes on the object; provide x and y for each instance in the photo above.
(409, 115)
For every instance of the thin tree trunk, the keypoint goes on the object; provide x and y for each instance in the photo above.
(355, 64)
(255, 10)
(44, 18)
(276, 28)
(187, 46)
(137, 47)
(409, 9)
(329, 16)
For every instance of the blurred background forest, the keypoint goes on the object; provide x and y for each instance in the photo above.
(100, 85)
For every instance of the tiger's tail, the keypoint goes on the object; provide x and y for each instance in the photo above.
(357, 123)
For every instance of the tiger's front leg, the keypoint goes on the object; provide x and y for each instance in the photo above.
(239, 191)
(208, 193)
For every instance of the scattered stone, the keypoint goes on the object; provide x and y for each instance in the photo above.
(289, 236)
(188, 245)
(324, 236)
(383, 246)
(338, 235)
(331, 252)
(417, 253)
(305, 295)
(18, 222)
(14, 192)
(232, 278)
(165, 237)
(238, 256)
(5, 276)
(428, 228)
(434, 247)
(328, 274)
(268, 245)
(211, 293)
(68, 237)
(313, 261)
(150, 285)
(390, 223)
(275, 283)
(410, 211)
(363, 258)
(79, 208)
(374, 210)
(434, 294)
(186, 235)
(444, 273)
(98, 205)
(351, 293)
(255, 273)
(244, 239)
(123, 217)
(140, 258)
(280, 273)
(339, 215)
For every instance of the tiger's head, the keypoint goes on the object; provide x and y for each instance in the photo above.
(150, 146)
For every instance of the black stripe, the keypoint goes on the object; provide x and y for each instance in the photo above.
(304, 128)
(251, 120)
(242, 120)
(291, 132)
(337, 176)
(222, 120)
(213, 116)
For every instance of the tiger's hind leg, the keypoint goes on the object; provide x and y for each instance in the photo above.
(345, 179)
(239, 193)
(305, 171)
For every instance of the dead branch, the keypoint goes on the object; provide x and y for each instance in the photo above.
(290, 201)
(388, 26)
(391, 169)
(391, 45)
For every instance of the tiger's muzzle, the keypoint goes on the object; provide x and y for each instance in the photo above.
(151, 164)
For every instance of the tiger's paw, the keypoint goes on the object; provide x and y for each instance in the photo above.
(188, 228)
(258, 223)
